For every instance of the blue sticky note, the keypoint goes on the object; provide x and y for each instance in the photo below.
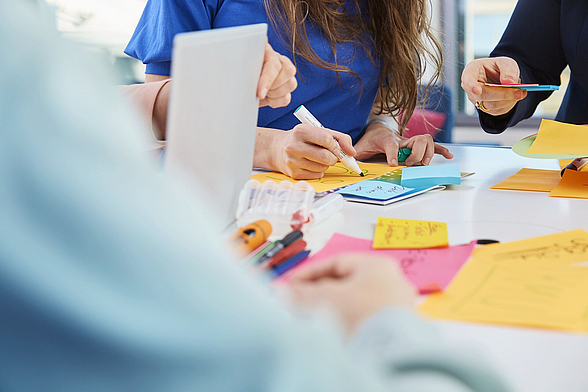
(428, 176)
(375, 190)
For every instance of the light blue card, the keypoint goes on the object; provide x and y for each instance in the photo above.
(374, 189)
(544, 87)
(428, 176)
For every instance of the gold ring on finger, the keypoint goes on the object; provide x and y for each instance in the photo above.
(480, 106)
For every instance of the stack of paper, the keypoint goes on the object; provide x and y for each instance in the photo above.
(555, 140)
(402, 183)
(573, 184)
(336, 176)
(428, 176)
(528, 283)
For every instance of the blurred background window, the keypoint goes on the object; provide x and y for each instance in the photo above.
(105, 26)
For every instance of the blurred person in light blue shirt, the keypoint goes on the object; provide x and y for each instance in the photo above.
(107, 285)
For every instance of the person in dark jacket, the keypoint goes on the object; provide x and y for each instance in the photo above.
(542, 38)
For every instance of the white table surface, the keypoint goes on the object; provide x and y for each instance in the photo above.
(531, 359)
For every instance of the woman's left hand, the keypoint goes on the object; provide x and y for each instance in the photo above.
(379, 139)
(277, 80)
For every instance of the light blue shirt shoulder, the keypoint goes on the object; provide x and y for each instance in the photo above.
(110, 281)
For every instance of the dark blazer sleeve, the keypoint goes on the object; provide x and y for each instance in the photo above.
(533, 40)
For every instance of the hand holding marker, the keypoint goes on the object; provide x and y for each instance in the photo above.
(306, 117)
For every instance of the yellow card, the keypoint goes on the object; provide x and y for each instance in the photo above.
(573, 184)
(535, 180)
(409, 234)
(336, 176)
(560, 249)
(515, 295)
(560, 138)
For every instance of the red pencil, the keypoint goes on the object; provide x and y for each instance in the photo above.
(286, 253)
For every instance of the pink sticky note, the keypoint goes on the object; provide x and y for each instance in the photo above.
(429, 270)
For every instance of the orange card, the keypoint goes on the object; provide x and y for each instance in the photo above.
(573, 184)
(535, 180)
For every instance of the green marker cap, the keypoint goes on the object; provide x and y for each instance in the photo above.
(403, 153)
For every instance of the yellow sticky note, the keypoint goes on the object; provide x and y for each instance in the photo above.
(560, 138)
(535, 180)
(573, 184)
(558, 249)
(515, 295)
(336, 176)
(409, 234)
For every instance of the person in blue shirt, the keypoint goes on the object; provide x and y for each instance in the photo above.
(353, 58)
(543, 37)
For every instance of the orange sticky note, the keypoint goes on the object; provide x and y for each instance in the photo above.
(336, 176)
(560, 138)
(523, 295)
(573, 184)
(535, 180)
(409, 234)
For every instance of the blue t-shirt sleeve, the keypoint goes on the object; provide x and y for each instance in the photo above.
(152, 40)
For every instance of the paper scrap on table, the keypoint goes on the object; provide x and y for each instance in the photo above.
(535, 180)
(550, 250)
(515, 295)
(428, 176)
(573, 184)
(560, 138)
(336, 176)
(428, 269)
(394, 233)
(375, 189)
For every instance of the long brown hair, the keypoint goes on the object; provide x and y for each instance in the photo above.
(399, 30)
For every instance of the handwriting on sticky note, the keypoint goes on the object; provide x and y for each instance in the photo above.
(517, 295)
(336, 176)
(394, 233)
(429, 270)
(563, 248)
(375, 189)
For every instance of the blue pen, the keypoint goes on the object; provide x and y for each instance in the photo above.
(290, 263)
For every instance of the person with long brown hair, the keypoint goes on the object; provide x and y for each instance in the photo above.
(353, 58)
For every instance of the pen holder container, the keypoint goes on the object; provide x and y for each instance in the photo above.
(286, 205)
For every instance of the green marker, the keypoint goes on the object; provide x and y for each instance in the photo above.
(403, 153)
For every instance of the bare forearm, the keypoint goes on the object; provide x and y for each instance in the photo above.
(152, 99)
(266, 148)
(159, 118)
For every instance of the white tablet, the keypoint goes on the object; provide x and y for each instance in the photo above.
(212, 116)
